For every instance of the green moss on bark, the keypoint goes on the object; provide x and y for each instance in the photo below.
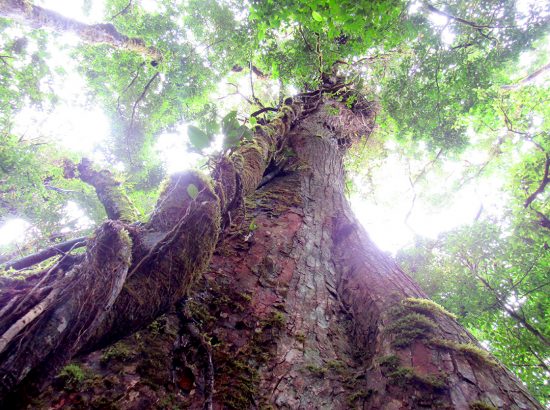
(426, 307)
(467, 349)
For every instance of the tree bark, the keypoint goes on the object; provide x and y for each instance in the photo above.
(38, 17)
(297, 309)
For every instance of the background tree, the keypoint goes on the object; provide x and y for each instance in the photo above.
(274, 286)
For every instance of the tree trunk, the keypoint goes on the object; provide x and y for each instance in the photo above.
(297, 309)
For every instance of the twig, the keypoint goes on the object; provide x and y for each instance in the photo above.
(308, 46)
(136, 75)
(319, 55)
(131, 127)
(527, 79)
(458, 19)
(237, 92)
(123, 11)
(60, 190)
(254, 98)
(141, 96)
(542, 186)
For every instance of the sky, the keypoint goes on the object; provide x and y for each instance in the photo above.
(83, 128)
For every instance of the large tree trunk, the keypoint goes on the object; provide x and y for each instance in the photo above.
(297, 309)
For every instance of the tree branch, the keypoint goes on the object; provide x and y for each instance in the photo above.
(457, 19)
(254, 98)
(542, 186)
(237, 92)
(521, 320)
(528, 79)
(38, 17)
(44, 254)
(115, 201)
(123, 11)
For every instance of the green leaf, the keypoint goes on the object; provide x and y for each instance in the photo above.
(193, 191)
(198, 138)
(316, 16)
(230, 122)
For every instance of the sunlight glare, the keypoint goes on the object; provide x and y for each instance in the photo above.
(172, 149)
(14, 230)
(75, 218)
(150, 6)
(75, 9)
(438, 20)
(76, 128)
(414, 7)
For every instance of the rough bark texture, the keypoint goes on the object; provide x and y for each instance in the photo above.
(38, 17)
(167, 255)
(297, 309)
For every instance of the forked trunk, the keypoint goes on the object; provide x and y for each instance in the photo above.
(298, 309)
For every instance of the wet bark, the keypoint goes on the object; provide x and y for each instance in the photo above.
(38, 17)
(297, 308)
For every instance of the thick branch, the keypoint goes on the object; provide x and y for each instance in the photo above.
(106, 297)
(44, 254)
(38, 17)
(115, 201)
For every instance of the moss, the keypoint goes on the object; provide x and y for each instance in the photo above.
(276, 320)
(300, 337)
(277, 199)
(426, 307)
(390, 362)
(467, 349)
(199, 312)
(242, 391)
(403, 376)
(72, 376)
(336, 365)
(481, 405)
(360, 395)
(118, 352)
(156, 327)
(410, 327)
(317, 371)
(245, 296)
